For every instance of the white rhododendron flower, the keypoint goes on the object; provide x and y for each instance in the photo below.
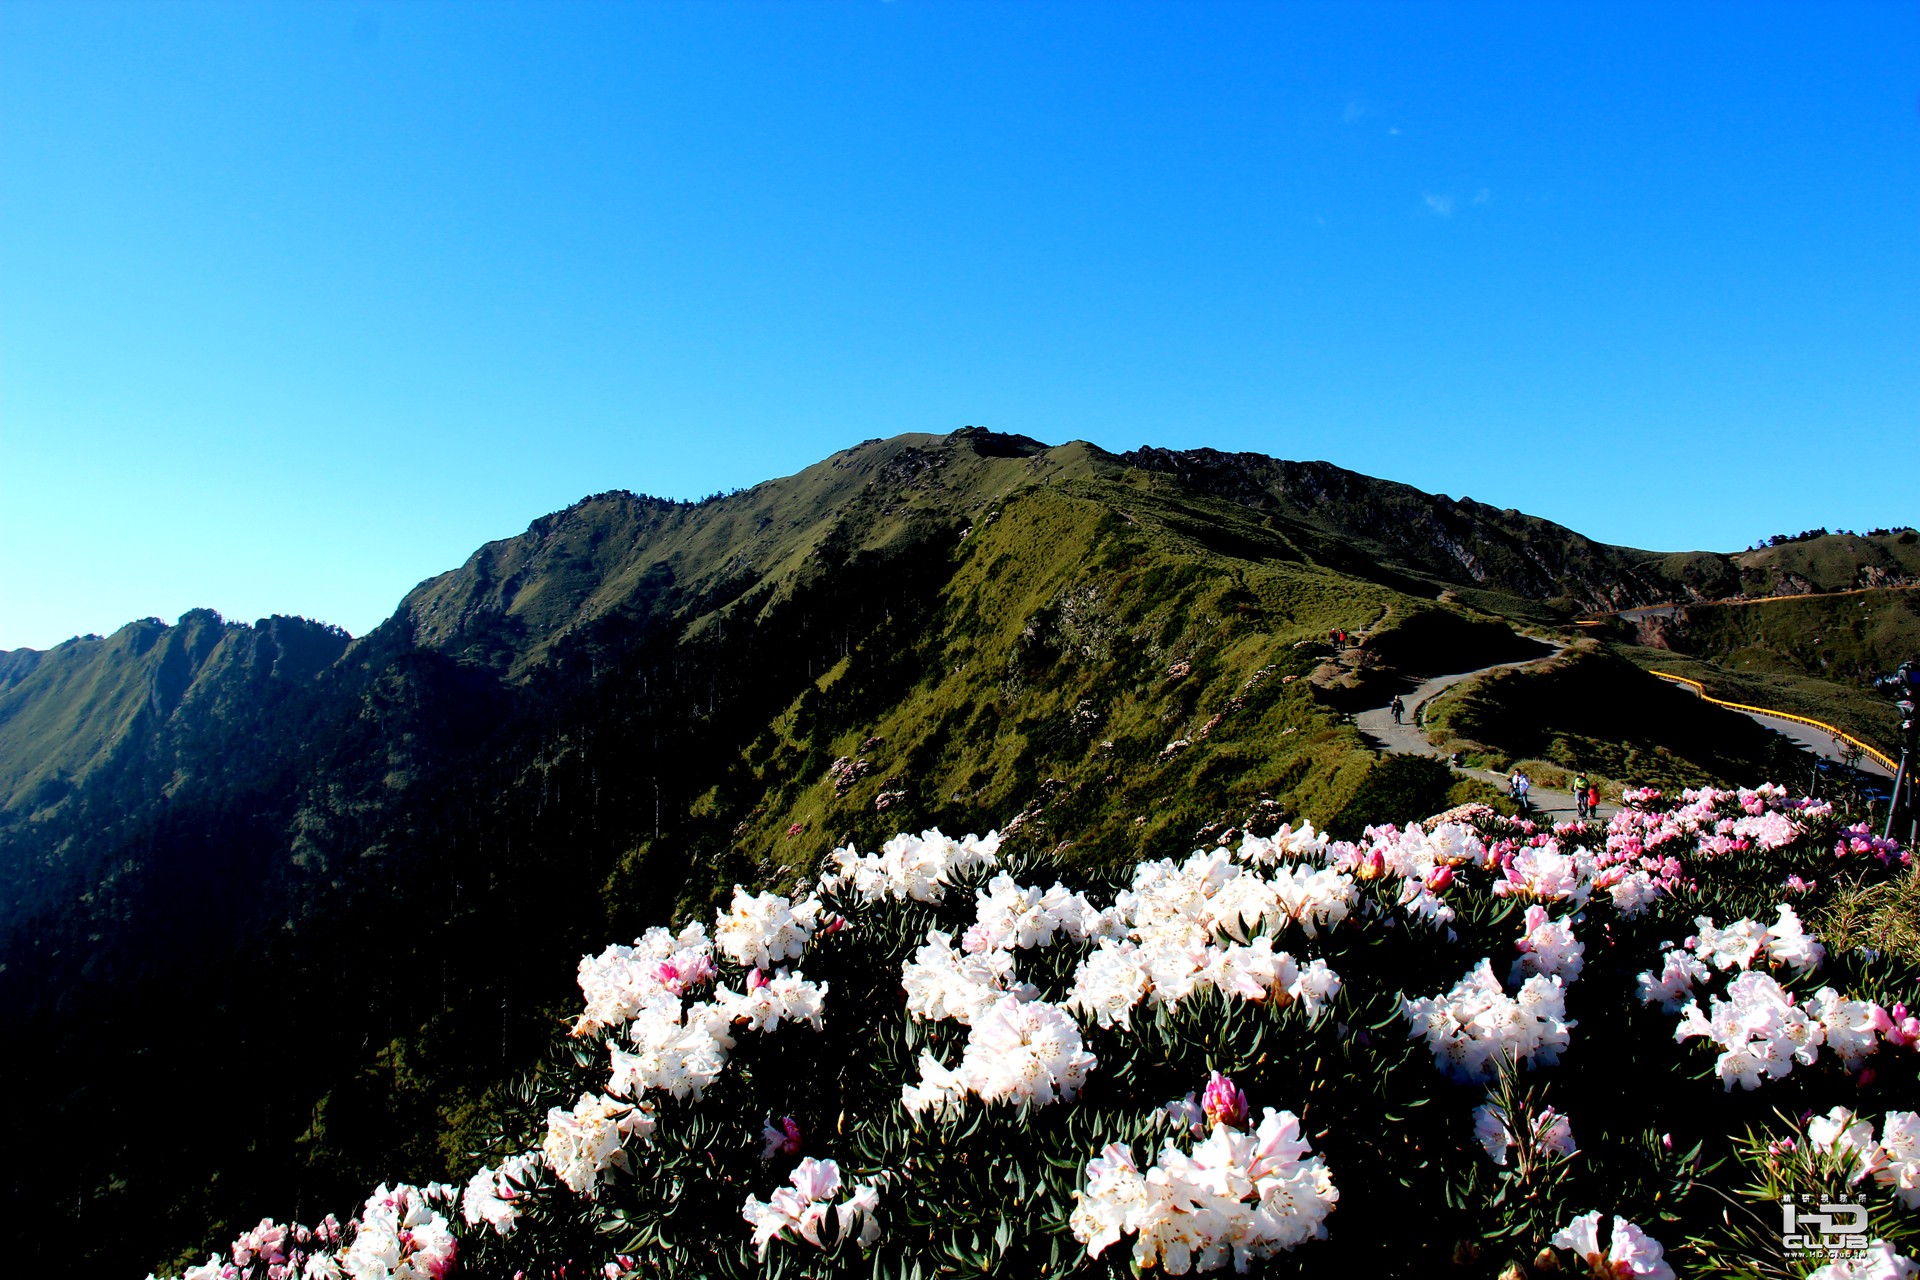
(1852, 1027)
(1899, 1166)
(1548, 875)
(1313, 898)
(1109, 983)
(1632, 893)
(767, 1002)
(675, 1050)
(797, 1212)
(1631, 1252)
(1286, 843)
(1547, 947)
(1240, 1196)
(1009, 916)
(659, 966)
(1760, 1031)
(493, 1195)
(1881, 1263)
(1672, 987)
(585, 1142)
(917, 867)
(1475, 1025)
(403, 1235)
(1026, 1053)
(1846, 1135)
(760, 930)
(941, 982)
(1790, 944)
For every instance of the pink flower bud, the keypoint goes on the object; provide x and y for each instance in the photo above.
(1439, 878)
(756, 980)
(1372, 866)
(1224, 1102)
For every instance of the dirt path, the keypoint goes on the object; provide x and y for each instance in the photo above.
(1411, 738)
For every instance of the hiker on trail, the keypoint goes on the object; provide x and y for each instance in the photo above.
(1518, 786)
(1580, 795)
(1398, 708)
(1593, 801)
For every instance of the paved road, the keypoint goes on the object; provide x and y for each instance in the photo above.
(1411, 739)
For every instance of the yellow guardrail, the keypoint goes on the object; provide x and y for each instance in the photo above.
(1882, 757)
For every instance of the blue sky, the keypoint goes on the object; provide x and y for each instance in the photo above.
(300, 304)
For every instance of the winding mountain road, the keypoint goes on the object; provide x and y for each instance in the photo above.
(1410, 738)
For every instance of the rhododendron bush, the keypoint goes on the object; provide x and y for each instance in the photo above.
(1473, 1045)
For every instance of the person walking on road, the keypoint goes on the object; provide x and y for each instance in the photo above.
(1593, 800)
(1517, 787)
(1580, 796)
(1398, 708)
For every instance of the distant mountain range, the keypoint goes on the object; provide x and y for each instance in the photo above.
(284, 906)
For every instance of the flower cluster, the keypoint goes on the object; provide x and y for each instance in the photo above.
(1548, 948)
(1029, 1053)
(1475, 1026)
(918, 867)
(494, 1196)
(1738, 946)
(621, 981)
(1236, 1197)
(1173, 913)
(403, 1235)
(584, 1142)
(1630, 1252)
(760, 930)
(1762, 1030)
(1859, 841)
(1892, 1160)
(797, 1212)
(274, 1251)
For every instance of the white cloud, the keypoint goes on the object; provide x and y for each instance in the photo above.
(1442, 206)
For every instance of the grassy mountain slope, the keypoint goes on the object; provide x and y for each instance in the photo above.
(64, 714)
(1843, 639)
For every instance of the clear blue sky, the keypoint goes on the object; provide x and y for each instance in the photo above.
(300, 304)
